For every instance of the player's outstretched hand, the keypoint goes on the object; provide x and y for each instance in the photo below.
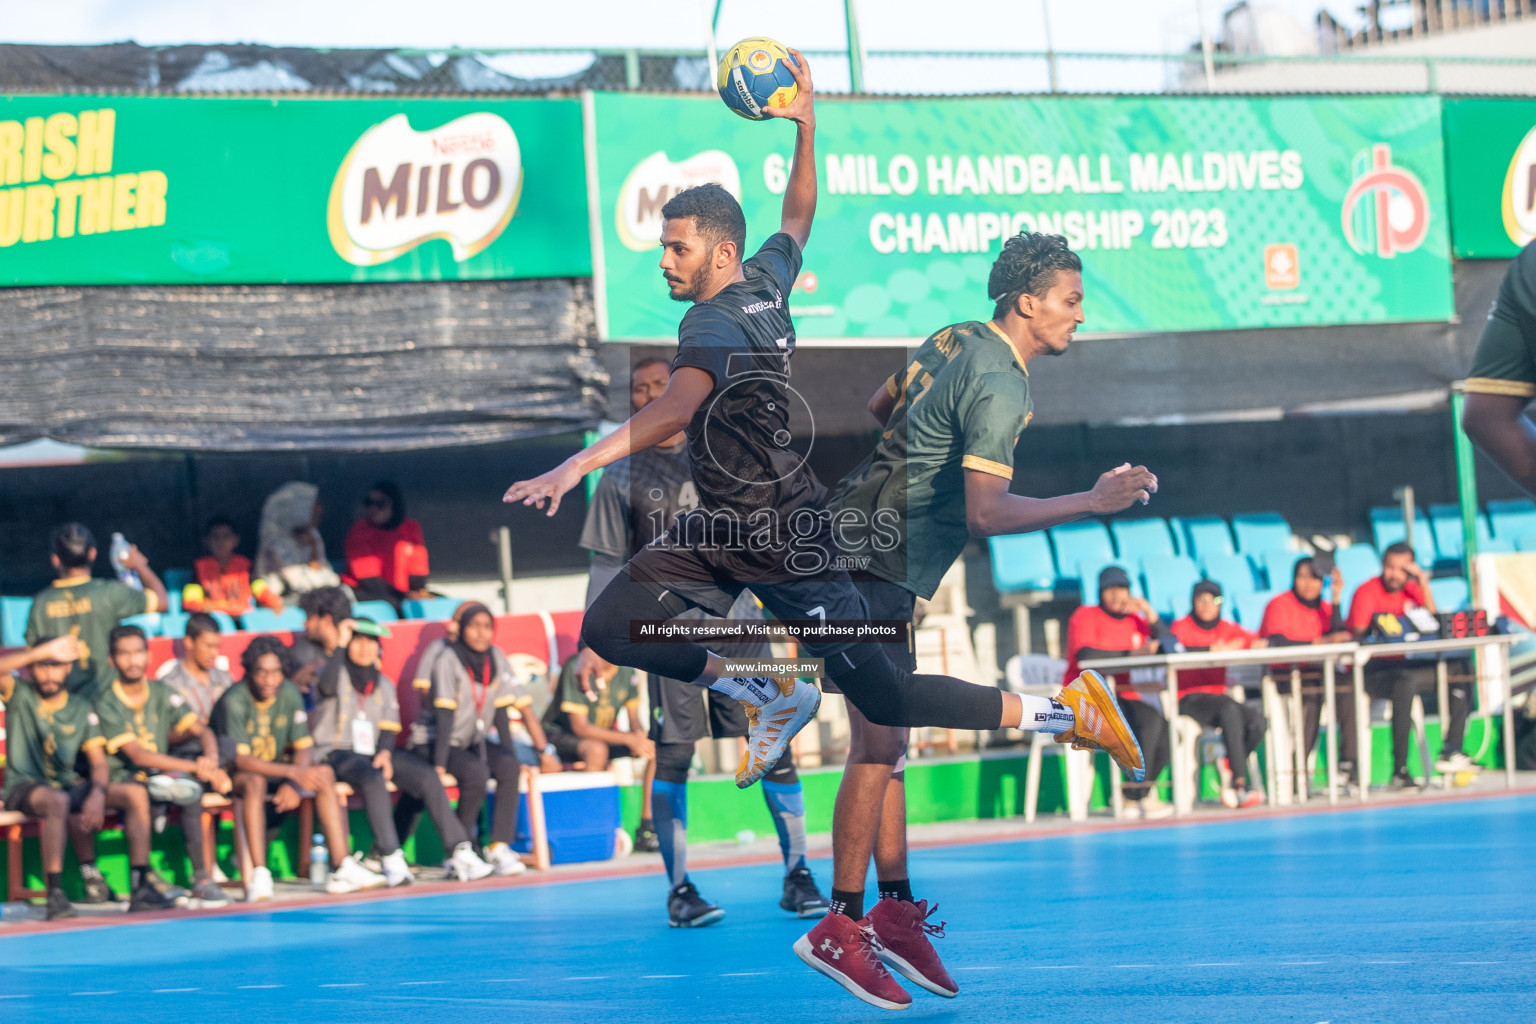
(1122, 487)
(802, 107)
(551, 487)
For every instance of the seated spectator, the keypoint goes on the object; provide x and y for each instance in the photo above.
(327, 612)
(1121, 625)
(579, 722)
(222, 579)
(87, 608)
(1403, 585)
(291, 555)
(475, 694)
(264, 717)
(51, 737)
(142, 720)
(1301, 616)
(1203, 692)
(386, 554)
(196, 675)
(356, 723)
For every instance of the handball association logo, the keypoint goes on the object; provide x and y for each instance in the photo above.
(1519, 203)
(398, 188)
(759, 61)
(1386, 210)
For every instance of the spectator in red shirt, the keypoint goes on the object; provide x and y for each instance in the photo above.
(1403, 585)
(223, 579)
(1120, 625)
(386, 554)
(1203, 692)
(1301, 616)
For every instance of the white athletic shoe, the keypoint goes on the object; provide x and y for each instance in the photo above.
(466, 865)
(504, 860)
(350, 876)
(396, 871)
(259, 886)
(772, 726)
(1457, 762)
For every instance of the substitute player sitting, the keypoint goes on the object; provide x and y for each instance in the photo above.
(580, 721)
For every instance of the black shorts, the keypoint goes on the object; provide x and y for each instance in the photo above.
(274, 816)
(682, 577)
(77, 795)
(567, 748)
(887, 600)
(685, 713)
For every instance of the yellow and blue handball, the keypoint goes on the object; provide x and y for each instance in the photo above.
(755, 76)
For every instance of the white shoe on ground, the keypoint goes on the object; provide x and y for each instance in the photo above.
(259, 886)
(351, 876)
(504, 860)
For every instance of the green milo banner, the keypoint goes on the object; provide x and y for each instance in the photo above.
(1490, 148)
(167, 190)
(1190, 214)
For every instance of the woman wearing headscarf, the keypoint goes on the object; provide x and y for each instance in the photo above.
(386, 553)
(475, 693)
(291, 555)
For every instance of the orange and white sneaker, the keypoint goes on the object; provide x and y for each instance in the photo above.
(1100, 724)
(771, 726)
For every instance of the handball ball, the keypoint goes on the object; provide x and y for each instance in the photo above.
(755, 75)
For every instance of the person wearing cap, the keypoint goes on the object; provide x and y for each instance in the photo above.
(1203, 692)
(355, 725)
(1122, 624)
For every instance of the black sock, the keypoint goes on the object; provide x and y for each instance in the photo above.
(849, 904)
(896, 889)
(647, 825)
(55, 880)
(136, 873)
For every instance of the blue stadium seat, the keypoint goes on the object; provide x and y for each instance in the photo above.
(1261, 531)
(175, 579)
(1248, 609)
(1139, 539)
(1357, 563)
(1022, 561)
(265, 620)
(1088, 571)
(378, 611)
(1199, 536)
(1233, 572)
(1077, 542)
(1452, 594)
(1278, 566)
(149, 622)
(226, 622)
(174, 624)
(13, 620)
(1445, 520)
(1387, 528)
(1511, 519)
(436, 608)
(1168, 581)
(1526, 542)
(174, 597)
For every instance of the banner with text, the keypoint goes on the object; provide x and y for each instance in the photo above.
(1190, 214)
(1490, 148)
(173, 190)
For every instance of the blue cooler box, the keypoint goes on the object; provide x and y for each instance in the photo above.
(581, 813)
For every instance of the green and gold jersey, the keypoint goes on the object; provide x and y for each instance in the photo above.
(960, 405)
(88, 609)
(1505, 363)
(602, 712)
(44, 738)
(149, 721)
(269, 730)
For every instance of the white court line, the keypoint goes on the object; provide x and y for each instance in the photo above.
(244, 987)
(15, 996)
(744, 974)
(108, 992)
(650, 977)
(590, 977)
(343, 984)
(161, 991)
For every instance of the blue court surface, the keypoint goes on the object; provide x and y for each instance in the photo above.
(1422, 912)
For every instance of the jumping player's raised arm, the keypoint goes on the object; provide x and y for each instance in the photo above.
(800, 194)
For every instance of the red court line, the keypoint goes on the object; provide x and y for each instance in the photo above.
(607, 870)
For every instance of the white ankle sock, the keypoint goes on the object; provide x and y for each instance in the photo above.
(756, 692)
(1042, 714)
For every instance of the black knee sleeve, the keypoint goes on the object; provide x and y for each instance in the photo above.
(888, 694)
(605, 629)
(673, 761)
(783, 772)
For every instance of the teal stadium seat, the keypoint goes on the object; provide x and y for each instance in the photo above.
(1512, 519)
(149, 622)
(265, 620)
(378, 611)
(1258, 532)
(174, 624)
(437, 608)
(1452, 594)
(1248, 609)
(14, 612)
(1277, 565)
(176, 579)
(1088, 571)
(1169, 581)
(1357, 563)
(1139, 539)
(1079, 542)
(1387, 529)
(1233, 572)
(1199, 536)
(1445, 520)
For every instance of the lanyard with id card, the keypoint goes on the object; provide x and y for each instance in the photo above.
(363, 739)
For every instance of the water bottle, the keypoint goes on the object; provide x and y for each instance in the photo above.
(319, 862)
(120, 549)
